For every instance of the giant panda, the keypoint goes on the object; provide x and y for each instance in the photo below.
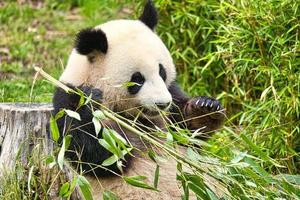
(110, 55)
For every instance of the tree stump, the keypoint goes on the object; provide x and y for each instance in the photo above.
(22, 127)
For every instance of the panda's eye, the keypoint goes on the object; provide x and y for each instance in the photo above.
(162, 72)
(137, 78)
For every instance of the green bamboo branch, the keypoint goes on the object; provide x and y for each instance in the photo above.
(151, 140)
(109, 114)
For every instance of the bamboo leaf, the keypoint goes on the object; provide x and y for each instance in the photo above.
(85, 187)
(109, 195)
(97, 125)
(109, 161)
(156, 177)
(106, 145)
(60, 114)
(99, 115)
(64, 189)
(54, 129)
(138, 181)
(64, 147)
(73, 114)
(130, 84)
(82, 98)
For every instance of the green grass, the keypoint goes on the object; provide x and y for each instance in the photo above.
(33, 35)
(245, 53)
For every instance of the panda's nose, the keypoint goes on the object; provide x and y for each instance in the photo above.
(163, 106)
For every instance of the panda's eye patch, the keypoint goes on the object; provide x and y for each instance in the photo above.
(137, 78)
(162, 72)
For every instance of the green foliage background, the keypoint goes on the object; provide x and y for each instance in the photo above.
(244, 52)
(247, 54)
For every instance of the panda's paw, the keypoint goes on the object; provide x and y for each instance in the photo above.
(203, 105)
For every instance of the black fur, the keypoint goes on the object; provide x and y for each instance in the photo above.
(162, 72)
(137, 78)
(149, 16)
(179, 100)
(89, 40)
(88, 147)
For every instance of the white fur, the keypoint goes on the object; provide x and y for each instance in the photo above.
(132, 47)
(77, 70)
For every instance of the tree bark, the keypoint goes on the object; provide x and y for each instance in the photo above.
(22, 127)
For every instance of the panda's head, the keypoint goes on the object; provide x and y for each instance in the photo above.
(127, 61)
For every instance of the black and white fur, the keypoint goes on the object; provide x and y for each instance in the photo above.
(103, 59)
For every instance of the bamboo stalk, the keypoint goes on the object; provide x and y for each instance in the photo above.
(109, 114)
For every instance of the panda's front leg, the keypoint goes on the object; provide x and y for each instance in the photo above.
(202, 113)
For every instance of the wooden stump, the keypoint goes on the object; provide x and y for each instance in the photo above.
(22, 127)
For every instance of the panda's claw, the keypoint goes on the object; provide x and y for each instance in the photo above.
(206, 104)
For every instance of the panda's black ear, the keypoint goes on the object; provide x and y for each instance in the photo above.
(149, 16)
(90, 40)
